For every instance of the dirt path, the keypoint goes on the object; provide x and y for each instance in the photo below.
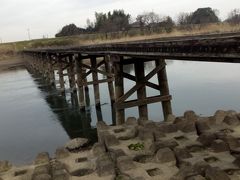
(11, 63)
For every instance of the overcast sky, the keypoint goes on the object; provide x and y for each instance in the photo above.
(47, 17)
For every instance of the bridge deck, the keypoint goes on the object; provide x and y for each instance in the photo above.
(214, 47)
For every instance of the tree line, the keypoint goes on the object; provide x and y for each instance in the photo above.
(118, 20)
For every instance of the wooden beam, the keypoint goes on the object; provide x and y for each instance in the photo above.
(134, 60)
(90, 71)
(141, 92)
(164, 89)
(97, 70)
(119, 88)
(140, 84)
(98, 82)
(133, 78)
(71, 74)
(110, 83)
(80, 80)
(61, 78)
(148, 100)
(95, 80)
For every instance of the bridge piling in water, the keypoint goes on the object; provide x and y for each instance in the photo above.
(83, 66)
(80, 82)
(142, 81)
(61, 77)
(95, 80)
(205, 48)
(141, 92)
(108, 68)
(119, 88)
(163, 87)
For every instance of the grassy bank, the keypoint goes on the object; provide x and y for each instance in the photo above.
(9, 49)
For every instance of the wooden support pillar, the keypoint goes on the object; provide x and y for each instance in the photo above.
(110, 83)
(51, 73)
(85, 80)
(141, 92)
(119, 88)
(164, 89)
(87, 97)
(99, 113)
(74, 99)
(44, 67)
(61, 77)
(71, 74)
(95, 81)
(80, 82)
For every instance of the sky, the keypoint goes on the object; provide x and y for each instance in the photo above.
(46, 17)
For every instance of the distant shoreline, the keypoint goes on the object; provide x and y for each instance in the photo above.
(12, 62)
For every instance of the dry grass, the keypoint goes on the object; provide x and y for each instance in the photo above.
(6, 50)
(194, 30)
(9, 49)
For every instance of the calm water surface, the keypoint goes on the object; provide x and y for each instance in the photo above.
(35, 118)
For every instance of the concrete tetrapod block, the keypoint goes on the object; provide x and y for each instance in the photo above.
(98, 149)
(42, 158)
(125, 163)
(42, 177)
(165, 155)
(190, 116)
(43, 169)
(105, 166)
(61, 153)
(216, 174)
(5, 166)
(219, 146)
(125, 132)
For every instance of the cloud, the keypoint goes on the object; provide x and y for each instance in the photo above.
(48, 16)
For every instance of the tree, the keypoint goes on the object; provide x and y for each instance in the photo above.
(200, 16)
(234, 17)
(110, 22)
(203, 16)
(184, 18)
(90, 26)
(148, 19)
(167, 23)
(70, 30)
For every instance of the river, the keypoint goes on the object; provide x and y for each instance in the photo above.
(36, 118)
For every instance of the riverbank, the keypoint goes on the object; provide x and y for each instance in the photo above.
(187, 147)
(11, 62)
(121, 36)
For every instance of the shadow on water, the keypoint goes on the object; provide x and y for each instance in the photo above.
(74, 122)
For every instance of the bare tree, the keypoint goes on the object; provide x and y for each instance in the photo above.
(234, 17)
(183, 18)
(148, 19)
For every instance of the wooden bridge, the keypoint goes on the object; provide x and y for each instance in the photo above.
(109, 59)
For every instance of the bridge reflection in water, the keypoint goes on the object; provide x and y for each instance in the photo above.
(75, 122)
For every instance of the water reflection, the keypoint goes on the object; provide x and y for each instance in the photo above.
(74, 122)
